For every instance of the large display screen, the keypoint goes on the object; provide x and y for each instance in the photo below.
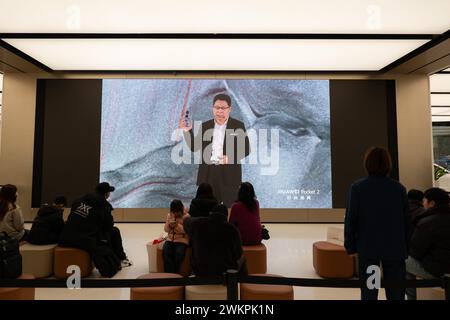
(146, 147)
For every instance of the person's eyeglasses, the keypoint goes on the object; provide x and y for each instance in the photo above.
(221, 108)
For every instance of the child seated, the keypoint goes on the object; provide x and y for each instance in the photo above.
(177, 241)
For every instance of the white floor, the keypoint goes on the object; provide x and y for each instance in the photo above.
(289, 253)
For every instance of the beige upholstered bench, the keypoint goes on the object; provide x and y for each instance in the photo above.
(332, 261)
(256, 258)
(18, 293)
(37, 260)
(158, 293)
(253, 291)
(65, 257)
(206, 292)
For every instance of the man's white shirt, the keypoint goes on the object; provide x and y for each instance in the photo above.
(218, 139)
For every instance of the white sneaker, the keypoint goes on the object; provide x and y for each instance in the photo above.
(126, 263)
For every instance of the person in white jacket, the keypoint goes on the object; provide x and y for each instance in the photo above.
(11, 218)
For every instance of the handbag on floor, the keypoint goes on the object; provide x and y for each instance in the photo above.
(106, 261)
(10, 257)
(265, 233)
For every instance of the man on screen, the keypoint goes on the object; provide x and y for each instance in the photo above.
(220, 159)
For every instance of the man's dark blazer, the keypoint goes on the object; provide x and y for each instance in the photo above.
(232, 172)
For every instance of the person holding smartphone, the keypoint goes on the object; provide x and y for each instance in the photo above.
(177, 241)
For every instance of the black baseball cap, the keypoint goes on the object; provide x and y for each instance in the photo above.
(104, 188)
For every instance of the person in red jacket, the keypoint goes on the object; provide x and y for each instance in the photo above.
(245, 215)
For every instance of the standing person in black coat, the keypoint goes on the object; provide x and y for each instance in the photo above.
(377, 222)
(429, 255)
(216, 244)
(49, 223)
(203, 202)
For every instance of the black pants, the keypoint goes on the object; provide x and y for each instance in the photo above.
(115, 241)
(173, 254)
(392, 270)
(225, 193)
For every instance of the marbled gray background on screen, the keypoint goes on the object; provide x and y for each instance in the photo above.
(138, 117)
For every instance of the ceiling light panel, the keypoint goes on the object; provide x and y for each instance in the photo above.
(214, 54)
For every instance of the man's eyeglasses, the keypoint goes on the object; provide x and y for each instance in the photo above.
(221, 108)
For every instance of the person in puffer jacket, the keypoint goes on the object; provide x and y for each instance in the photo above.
(49, 223)
(429, 255)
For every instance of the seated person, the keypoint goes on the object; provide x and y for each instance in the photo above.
(429, 255)
(11, 218)
(415, 203)
(177, 241)
(245, 215)
(90, 224)
(203, 202)
(416, 209)
(216, 244)
(49, 223)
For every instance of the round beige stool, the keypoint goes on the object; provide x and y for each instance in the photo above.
(158, 293)
(37, 260)
(18, 293)
(252, 291)
(256, 258)
(206, 292)
(332, 261)
(65, 257)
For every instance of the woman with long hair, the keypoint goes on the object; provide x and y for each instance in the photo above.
(203, 202)
(245, 215)
(11, 218)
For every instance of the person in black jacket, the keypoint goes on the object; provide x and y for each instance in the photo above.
(416, 209)
(429, 255)
(216, 244)
(377, 221)
(203, 202)
(415, 201)
(90, 224)
(49, 223)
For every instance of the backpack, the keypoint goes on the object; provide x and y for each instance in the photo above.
(106, 261)
(10, 257)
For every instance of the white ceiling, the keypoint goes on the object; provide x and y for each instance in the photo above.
(212, 16)
(206, 54)
(231, 16)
